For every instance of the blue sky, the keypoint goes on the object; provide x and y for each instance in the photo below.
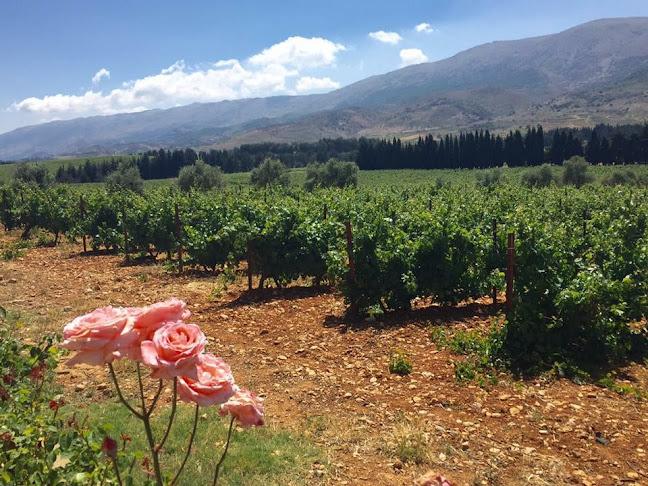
(158, 54)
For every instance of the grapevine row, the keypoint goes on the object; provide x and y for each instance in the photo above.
(582, 254)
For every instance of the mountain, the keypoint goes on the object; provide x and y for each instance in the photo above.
(595, 72)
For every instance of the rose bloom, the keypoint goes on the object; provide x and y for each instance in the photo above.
(246, 407)
(100, 337)
(215, 384)
(109, 447)
(147, 320)
(174, 350)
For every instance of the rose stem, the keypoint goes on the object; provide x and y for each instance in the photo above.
(191, 439)
(229, 436)
(173, 411)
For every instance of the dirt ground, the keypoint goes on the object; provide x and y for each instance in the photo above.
(328, 378)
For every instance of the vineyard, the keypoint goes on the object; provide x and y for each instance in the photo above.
(579, 295)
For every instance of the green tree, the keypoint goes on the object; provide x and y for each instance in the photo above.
(33, 174)
(200, 176)
(126, 177)
(270, 173)
(593, 151)
(334, 173)
(538, 176)
(576, 172)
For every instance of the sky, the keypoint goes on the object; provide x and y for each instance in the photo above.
(63, 59)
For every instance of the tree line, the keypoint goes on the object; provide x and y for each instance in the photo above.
(603, 144)
(164, 164)
(481, 149)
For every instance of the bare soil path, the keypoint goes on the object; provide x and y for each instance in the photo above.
(328, 378)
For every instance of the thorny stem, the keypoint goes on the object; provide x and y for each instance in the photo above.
(191, 439)
(116, 467)
(173, 411)
(144, 417)
(155, 399)
(229, 436)
(154, 451)
(141, 387)
(119, 394)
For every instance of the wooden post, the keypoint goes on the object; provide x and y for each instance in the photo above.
(494, 290)
(82, 207)
(178, 227)
(584, 223)
(249, 266)
(325, 211)
(123, 213)
(510, 271)
(349, 237)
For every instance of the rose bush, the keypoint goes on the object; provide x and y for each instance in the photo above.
(158, 336)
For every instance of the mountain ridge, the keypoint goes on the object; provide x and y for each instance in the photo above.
(594, 72)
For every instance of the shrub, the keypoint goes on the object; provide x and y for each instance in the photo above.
(489, 177)
(147, 335)
(126, 177)
(576, 172)
(200, 176)
(538, 176)
(271, 172)
(37, 444)
(620, 178)
(334, 173)
(29, 173)
(400, 363)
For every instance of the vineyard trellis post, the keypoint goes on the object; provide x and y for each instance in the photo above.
(82, 209)
(178, 228)
(249, 264)
(124, 227)
(325, 211)
(349, 238)
(352, 274)
(494, 289)
(510, 271)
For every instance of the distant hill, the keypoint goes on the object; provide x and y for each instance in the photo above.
(593, 73)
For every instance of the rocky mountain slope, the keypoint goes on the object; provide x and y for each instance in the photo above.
(595, 72)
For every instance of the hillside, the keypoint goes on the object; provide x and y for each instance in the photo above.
(593, 73)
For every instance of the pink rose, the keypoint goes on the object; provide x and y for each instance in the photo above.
(147, 320)
(215, 384)
(246, 407)
(100, 337)
(174, 350)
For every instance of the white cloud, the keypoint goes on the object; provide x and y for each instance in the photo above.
(386, 37)
(425, 28)
(299, 52)
(102, 73)
(412, 56)
(276, 70)
(309, 84)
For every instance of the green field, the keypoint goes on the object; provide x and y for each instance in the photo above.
(401, 178)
